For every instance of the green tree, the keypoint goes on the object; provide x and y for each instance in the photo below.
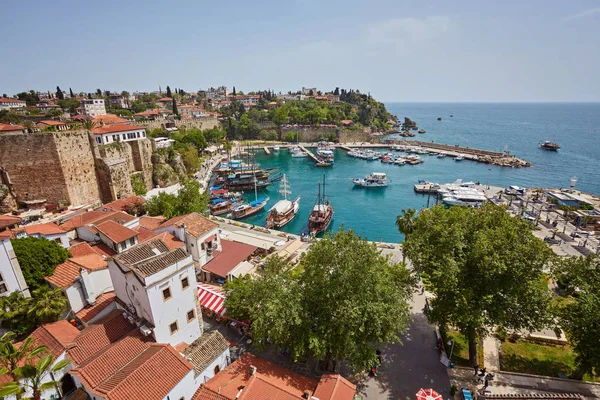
(69, 104)
(13, 312)
(485, 269)
(59, 94)
(348, 301)
(31, 376)
(137, 185)
(54, 113)
(175, 111)
(38, 257)
(189, 199)
(88, 124)
(579, 280)
(406, 221)
(234, 93)
(169, 94)
(49, 305)
(11, 356)
(71, 93)
(196, 137)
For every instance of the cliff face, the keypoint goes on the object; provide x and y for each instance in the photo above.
(167, 167)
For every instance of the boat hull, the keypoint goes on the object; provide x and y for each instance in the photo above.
(316, 227)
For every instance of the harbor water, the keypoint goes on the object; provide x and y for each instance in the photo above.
(517, 127)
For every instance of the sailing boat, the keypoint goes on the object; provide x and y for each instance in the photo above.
(284, 210)
(247, 209)
(322, 213)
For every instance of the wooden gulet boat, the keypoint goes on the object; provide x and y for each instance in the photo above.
(321, 214)
(245, 210)
(284, 210)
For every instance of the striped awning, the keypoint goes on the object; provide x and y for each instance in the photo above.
(212, 298)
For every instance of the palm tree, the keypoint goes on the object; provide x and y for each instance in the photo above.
(31, 377)
(88, 124)
(11, 357)
(49, 305)
(29, 126)
(406, 221)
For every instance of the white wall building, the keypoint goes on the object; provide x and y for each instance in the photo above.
(157, 286)
(7, 104)
(49, 231)
(11, 276)
(92, 107)
(120, 132)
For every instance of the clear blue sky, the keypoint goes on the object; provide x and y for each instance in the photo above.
(398, 50)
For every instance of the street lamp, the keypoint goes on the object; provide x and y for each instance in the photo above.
(451, 343)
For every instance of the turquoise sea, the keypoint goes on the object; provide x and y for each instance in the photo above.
(519, 127)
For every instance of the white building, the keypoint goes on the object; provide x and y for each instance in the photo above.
(120, 132)
(11, 276)
(92, 107)
(118, 101)
(48, 231)
(116, 236)
(7, 104)
(309, 91)
(157, 287)
(200, 235)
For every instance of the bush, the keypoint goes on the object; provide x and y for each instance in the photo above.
(38, 258)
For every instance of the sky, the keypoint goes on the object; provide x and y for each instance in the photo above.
(408, 51)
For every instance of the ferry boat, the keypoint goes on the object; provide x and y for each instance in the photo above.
(321, 214)
(375, 179)
(284, 210)
(548, 145)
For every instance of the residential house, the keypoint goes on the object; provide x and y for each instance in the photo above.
(209, 355)
(309, 91)
(152, 115)
(165, 102)
(156, 287)
(129, 204)
(86, 282)
(10, 128)
(108, 119)
(8, 222)
(120, 132)
(116, 236)
(92, 107)
(7, 103)
(118, 101)
(83, 226)
(218, 104)
(48, 230)
(231, 261)
(46, 105)
(251, 377)
(219, 92)
(162, 143)
(11, 276)
(48, 123)
(200, 235)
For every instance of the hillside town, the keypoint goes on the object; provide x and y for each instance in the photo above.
(121, 279)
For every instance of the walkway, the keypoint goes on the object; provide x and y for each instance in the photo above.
(491, 358)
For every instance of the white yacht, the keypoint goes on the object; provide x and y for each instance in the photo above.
(459, 157)
(464, 199)
(375, 179)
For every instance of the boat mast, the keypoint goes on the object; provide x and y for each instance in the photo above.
(323, 199)
(284, 188)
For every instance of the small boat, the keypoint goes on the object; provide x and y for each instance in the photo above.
(284, 210)
(298, 153)
(321, 214)
(548, 145)
(276, 148)
(248, 209)
(451, 115)
(324, 163)
(400, 161)
(439, 118)
(422, 131)
(468, 199)
(441, 155)
(375, 179)
(222, 206)
(459, 157)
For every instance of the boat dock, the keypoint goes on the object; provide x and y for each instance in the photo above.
(310, 153)
(267, 151)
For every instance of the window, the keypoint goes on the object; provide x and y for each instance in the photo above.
(132, 241)
(166, 294)
(185, 283)
(217, 369)
(191, 315)
(3, 288)
(173, 327)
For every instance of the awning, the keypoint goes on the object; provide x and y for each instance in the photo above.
(210, 238)
(212, 298)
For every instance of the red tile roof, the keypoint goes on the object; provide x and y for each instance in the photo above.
(98, 336)
(104, 250)
(66, 273)
(151, 222)
(273, 380)
(95, 217)
(144, 234)
(9, 100)
(204, 393)
(109, 119)
(195, 224)
(55, 336)
(101, 130)
(81, 249)
(116, 232)
(224, 262)
(125, 204)
(334, 387)
(148, 113)
(50, 122)
(171, 241)
(7, 220)
(89, 312)
(9, 128)
(48, 228)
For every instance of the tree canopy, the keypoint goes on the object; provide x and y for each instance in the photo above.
(38, 257)
(579, 314)
(189, 199)
(484, 267)
(348, 300)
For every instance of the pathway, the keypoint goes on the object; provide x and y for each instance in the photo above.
(491, 358)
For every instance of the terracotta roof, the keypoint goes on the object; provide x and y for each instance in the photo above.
(89, 312)
(7, 220)
(109, 119)
(116, 232)
(171, 241)
(5, 235)
(101, 130)
(204, 393)
(48, 228)
(144, 234)
(125, 204)
(99, 335)
(9, 127)
(273, 380)
(50, 122)
(66, 274)
(334, 387)
(195, 224)
(346, 121)
(204, 350)
(150, 257)
(55, 336)
(81, 249)
(231, 256)
(147, 113)
(80, 117)
(165, 99)
(151, 222)
(9, 100)
(104, 250)
(79, 394)
(96, 217)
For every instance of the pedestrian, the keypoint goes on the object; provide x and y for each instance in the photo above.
(476, 369)
(486, 382)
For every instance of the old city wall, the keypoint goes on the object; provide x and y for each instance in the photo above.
(113, 178)
(201, 123)
(76, 158)
(32, 167)
(141, 153)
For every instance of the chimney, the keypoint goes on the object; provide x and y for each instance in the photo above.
(252, 370)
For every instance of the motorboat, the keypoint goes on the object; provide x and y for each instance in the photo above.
(298, 153)
(464, 199)
(441, 155)
(548, 145)
(375, 179)
(321, 214)
(284, 210)
(459, 157)
(276, 148)
(400, 161)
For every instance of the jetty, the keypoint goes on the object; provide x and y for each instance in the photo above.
(310, 153)
(267, 151)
